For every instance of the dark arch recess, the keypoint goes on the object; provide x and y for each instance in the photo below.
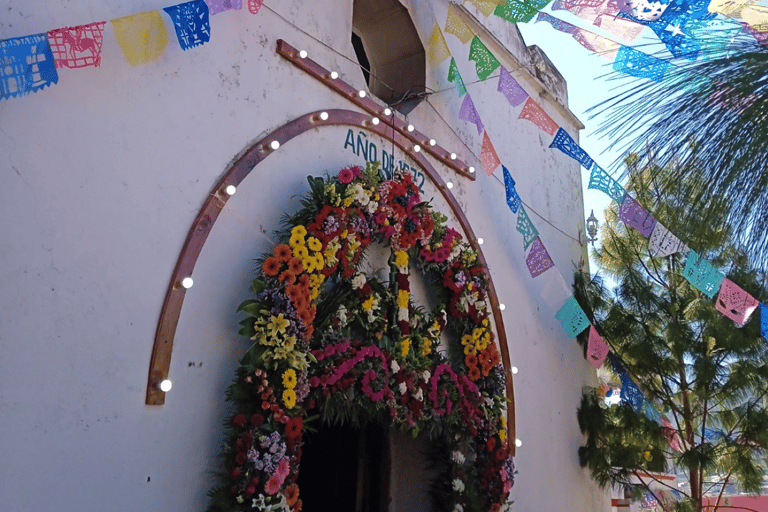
(237, 172)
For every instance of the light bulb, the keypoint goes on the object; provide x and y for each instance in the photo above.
(432, 142)
(514, 370)
(230, 190)
(303, 54)
(375, 120)
(453, 156)
(187, 282)
(480, 241)
(166, 386)
(387, 111)
(334, 75)
(416, 148)
(410, 128)
(274, 144)
(518, 443)
(323, 116)
(471, 170)
(361, 93)
(502, 306)
(449, 184)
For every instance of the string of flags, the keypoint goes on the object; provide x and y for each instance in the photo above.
(732, 301)
(31, 62)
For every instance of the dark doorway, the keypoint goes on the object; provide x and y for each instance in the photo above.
(345, 469)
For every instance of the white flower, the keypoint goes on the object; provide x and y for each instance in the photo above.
(372, 206)
(402, 314)
(358, 281)
(458, 508)
(419, 395)
(426, 375)
(457, 457)
(458, 485)
(455, 251)
(403, 388)
(489, 401)
(395, 367)
(342, 314)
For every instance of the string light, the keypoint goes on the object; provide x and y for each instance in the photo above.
(449, 184)
(274, 144)
(514, 370)
(432, 142)
(230, 190)
(416, 148)
(303, 54)
(387, 111)
(502, 307)
(323, 116)
(471, 170)
(361, 93)
(410, 128)
(334, 75)
(453, 156)
(518, 443)
(480, 241)
(166, 385)
(375, 120)
(187, 282)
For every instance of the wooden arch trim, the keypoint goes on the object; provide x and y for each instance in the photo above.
(198, 234)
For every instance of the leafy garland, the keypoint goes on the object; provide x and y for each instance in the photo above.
(333, 343)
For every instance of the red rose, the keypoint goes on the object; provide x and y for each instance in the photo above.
(235, 473)
(239, 420)
(240, 458)
(257, 420)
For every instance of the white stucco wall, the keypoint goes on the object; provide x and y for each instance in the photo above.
(103, 175)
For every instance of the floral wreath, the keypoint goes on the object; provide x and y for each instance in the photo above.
(331, 342)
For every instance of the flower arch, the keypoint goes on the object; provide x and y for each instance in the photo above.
(332, 342)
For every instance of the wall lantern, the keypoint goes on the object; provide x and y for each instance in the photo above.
(592, 226)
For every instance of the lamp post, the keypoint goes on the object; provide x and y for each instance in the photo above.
(592, 226)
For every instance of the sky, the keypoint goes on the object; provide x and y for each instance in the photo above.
(585, 72)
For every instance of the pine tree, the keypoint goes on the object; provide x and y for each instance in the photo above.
(704, 379)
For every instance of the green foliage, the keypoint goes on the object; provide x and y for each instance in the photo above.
(704, 373)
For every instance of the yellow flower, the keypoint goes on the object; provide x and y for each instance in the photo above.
(300, 251)
(648, 456)
(309, 264)
(426, 347)
(467, 340)
(402, 299)
(289, 379)
(405, 346)
(277, 324)
(503, 434)
(316, 280)
(319, 261)
(477, 333)
(296, 241)
(470, 349)
(299, 231)
(289, 398)
(401, 259)
(315, 294)
(344, 234)
(368, 304)
(314, 244)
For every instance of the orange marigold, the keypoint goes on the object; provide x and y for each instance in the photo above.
(295, 266)
(298, 506)
(291, 494)
(283, 253)
(293, 291)
(474, 373)
(271, 267)
(287, 277)
(470, 360)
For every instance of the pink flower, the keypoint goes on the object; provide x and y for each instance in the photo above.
(346, 175)
(273, 484)
(283, 469)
